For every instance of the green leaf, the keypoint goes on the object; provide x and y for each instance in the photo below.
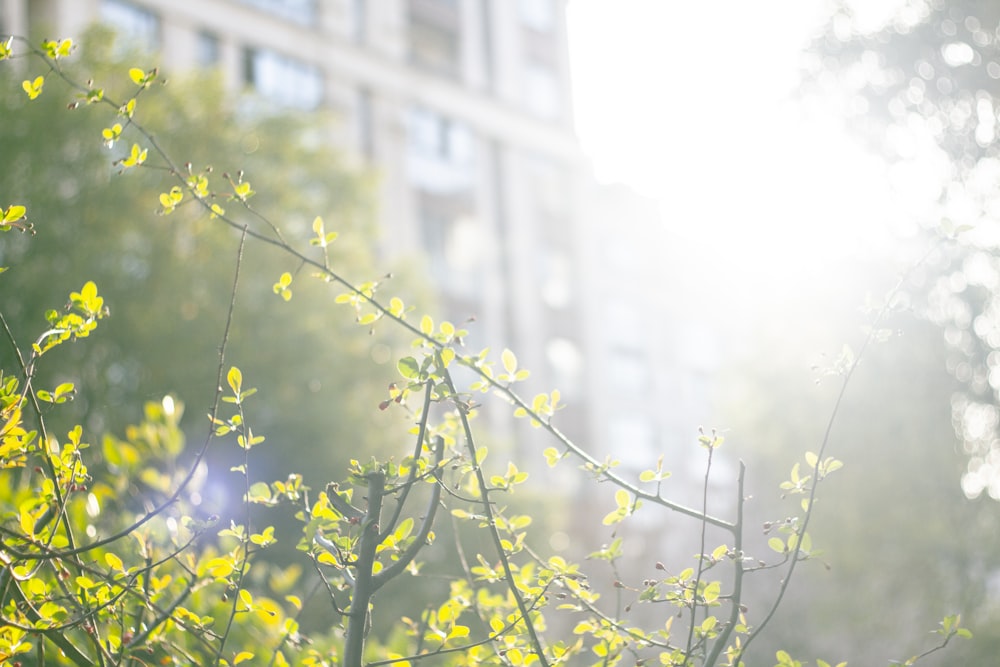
(404, 529)
(259, 492)
(408, 368)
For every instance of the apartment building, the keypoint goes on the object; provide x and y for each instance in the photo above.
(464, 109)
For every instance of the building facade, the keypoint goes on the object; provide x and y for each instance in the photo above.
(464, 109)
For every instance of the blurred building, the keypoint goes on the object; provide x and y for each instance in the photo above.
(463, 107)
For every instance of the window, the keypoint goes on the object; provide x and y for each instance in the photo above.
(541, 90)
(207, 49)
(365, 124)
(434, 136)
(566, 362)
(359, 20)
(300, 11)
(434, 36)
(538, 15)
(134, 25)
(548, 194)
(442, 168)
(285, 81)
(452, 239)
(556, 278)
(440, 152)
(433, 47)
(543, 93)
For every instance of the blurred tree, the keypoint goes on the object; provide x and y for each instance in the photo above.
(925, 90)
(168, 279)
(897, 534)
(934, 66)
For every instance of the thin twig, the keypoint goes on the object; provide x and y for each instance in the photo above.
(484, 494)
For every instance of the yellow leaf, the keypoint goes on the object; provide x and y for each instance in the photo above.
(509, 361)
(219, 567)
(242, 656)
(33, 88)
(235, 379)
(14, 213)
(113, 561)
(246, 598)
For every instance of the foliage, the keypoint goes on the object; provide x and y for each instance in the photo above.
(924, 90)
(167, 270)
(899, 538)
(108, 561)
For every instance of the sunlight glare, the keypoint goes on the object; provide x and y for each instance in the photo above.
(700, 115)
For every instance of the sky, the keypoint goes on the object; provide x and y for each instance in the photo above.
(692, 104)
